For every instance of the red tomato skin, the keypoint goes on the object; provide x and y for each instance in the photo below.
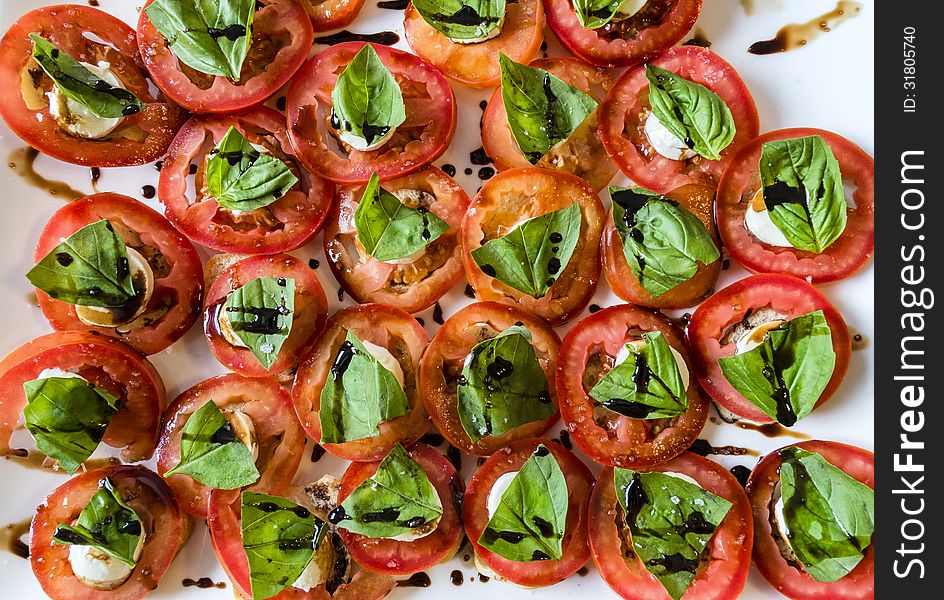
(331, 14)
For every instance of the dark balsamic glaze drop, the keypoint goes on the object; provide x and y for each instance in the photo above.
(478, 157)
(384, 38)
(432, 439)
(456, 577)
(223, 435)
(232, 32)
(313, 263)
(490, 536)
(420, 579)
(469, 291)
(449, 169)
(280, 103)
(741, 473)
(204, 583)
(486, 173)
(467, 171)
(340, 294)
(676, 563)
(594, 308)
(317, 451)
(438, 314)
(148, 192)
(454, 456)
(393, 4)
(64, 258)
(488, 270)
(343, 360)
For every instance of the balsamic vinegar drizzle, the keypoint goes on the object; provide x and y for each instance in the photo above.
(741, 473)
(22, 161)
(10, 538)
(384, 38)
(772, 430)
(703, 448)
(393, 4)
(203, 583)
(456, 577)
(420, 579)
(797, 35)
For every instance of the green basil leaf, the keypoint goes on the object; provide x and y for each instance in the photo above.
(390, 230)
(670, 521)
(366, 100)
(211, 36)
(242, 177)
(67, 416)
(107, 524)
(359, 395)
(459, 20)
(830, 516)
(803, 191)
(529, 523)
(594, 14)
(692, 112)
(280, 538)
(662, 241)
(397, 499)
(542, 109)
(530, 257)
(89, 268)
(261, 313)
(785, 376)
(211, 453)
(502, 386)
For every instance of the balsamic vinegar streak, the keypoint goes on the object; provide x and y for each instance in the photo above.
(384, 38)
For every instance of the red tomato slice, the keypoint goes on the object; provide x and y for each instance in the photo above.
(278, 434)
(624, 113)
(519, 194)
(331, 14)
(610, 438)
(165, 529)
(311, 308)
(792, 581)
(476, 64)
(178, 277)
(475, 514)
(724, 574)
(713, 318)
(444, 359)
(422, 138)
(845, 256)
(414, 286)
(283, 225)
(385, 326)
(658, 26)
(281, 38)
(107, 364)
(87, 35)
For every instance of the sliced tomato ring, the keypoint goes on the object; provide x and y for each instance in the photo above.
(791, 580)
(281, 38)
(623, 117)
(422, 138)
(283, 225)
(178, 282)
(443, 361)
(849, 253)
(279, 436)
(331, 14)
(165, 528)
(520, 194)
(724, 570)
(476, 64)
(610, 438)
(385, 326)
(714, 318)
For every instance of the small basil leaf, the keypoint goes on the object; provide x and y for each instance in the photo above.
(390, 230)
(241, 177)
(785, 376)
(366, 100)
(594, 14)
(89, 268)
(67, 416)
(531, 517)
(830, 516)
(542, 109)
(531, 257)
(692, 112)
(395, 500)
(670, 521)
(359, 395)
(107, 524)
(261, 313)
(803, 191)
(280, 538)
(211, 453)
(662, 241)
(211, 36)
(459, 20)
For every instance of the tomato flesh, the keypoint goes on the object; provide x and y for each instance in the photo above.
(331, 14)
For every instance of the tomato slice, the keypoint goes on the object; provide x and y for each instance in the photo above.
(658, 26)
(698, 200)
(279, 436)
(787, 296)
(385, 326)
(476, 64)
(444, 359)
(610, 438)
(849, 253)
(519, 194)
(178, 277)
(281, 38)
(422, 138)
(792, 581)
(107, 364)
(283, 225)
(475, 514)
(331, 14)
(721, 577)
(165, 529)
(91, 36)
(624, 113)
